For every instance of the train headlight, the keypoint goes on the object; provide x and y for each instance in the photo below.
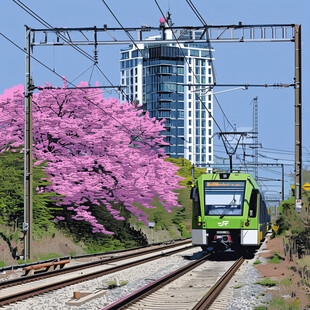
(247, 224)
(199, 224)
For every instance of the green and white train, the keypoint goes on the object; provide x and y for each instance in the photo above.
(229, 212)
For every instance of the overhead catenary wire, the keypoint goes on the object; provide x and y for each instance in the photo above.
(75, 87)
(201, 19)
(49, 26)
(223, 112)
(125, 30)
(190, 69)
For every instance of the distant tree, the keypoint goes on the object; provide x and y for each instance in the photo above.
(97, 151)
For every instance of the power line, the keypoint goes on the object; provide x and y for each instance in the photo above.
(74, 87)
(127, 32)
(192, 6)
(47, 25)
(223, 112)
(190, 69)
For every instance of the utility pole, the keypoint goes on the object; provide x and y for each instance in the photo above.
(255, 137)
(298, 120)
(28, 138)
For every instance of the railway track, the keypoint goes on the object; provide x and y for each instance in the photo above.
(22, 288)
(181, 289)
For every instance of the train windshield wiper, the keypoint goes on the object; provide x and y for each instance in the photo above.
(226, 209)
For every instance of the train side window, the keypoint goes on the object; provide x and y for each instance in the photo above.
(196, 200)
(253, 203)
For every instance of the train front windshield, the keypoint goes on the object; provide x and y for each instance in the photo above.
(224, 198)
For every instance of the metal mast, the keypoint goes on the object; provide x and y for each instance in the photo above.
(298, 119)
(255, 137)
(27, 224)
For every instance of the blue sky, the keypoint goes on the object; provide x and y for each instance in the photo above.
(234, 63)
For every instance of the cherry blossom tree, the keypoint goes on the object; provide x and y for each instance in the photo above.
(97, 150)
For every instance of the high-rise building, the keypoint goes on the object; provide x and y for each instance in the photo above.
(154, 75)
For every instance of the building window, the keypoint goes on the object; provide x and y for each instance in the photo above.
(210, 149)
(189, 96)
(203, 158)
(209, 97)
(197, 158)
(190, 157)
(125, 55)
(190, 149)
(190, 140)
(210, 80)
(210, 123)
(210, 132)
(209, 106)
(194, 53)
(189, 78)
(189, 113)
(190, 122)
(210, 157)
(190, 131)
(189, 105)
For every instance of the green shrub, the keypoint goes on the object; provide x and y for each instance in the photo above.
(2, 264)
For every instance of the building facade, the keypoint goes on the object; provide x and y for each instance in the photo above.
(156, 75)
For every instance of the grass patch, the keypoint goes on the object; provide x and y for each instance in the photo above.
(286, 282)
(267, 282)
(276, 259)
(305, 261)
(2, 264)
(21, 261)
(260, 308)
(112, 284)
(238, 286)
(72, 253)
(257, 262)
(47, 256)
(123, 283)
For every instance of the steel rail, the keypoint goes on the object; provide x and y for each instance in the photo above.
(104, 261)
(217, 288)
(154, 286)
(30, 292)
